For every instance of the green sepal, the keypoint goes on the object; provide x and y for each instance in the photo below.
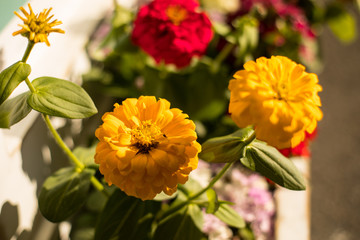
(13, 110)
(227, 148)
(11, 77)
(229, 216)
(61, 98)
(184, 224)
(126, 217)
(269, 162)
(64, 192)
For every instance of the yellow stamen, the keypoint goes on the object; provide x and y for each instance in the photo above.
(146, 136)
(176, 14)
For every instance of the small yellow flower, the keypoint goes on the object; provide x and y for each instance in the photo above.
(37, 27)
(278, 98)
(146, 147)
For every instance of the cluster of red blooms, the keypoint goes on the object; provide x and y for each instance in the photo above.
(282, 9)
(172, 32)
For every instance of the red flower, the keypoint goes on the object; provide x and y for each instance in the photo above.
(302, 149)
(172, 31)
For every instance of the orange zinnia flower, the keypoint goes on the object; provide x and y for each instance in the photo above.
(146, 148)
(278, 98)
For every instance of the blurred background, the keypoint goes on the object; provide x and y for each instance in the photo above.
(335, 163)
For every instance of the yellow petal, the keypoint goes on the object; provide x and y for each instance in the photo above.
(138, 163)
(160, 157)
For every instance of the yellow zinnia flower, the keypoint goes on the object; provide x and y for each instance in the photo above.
(278, 98)
(37, 27)
(145, 147)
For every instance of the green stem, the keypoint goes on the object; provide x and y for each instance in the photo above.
(55, 134)
(61, 143)
(28, 51)
(71, 155)
(31, 87)
(99, 186)
(221, 56)
(24, 59)
(178, 206)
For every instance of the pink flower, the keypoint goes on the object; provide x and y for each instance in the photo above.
(173, 31)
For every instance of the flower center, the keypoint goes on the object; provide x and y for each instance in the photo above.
(283, 88)
(176, 14)
(37, 26)
(146, 136)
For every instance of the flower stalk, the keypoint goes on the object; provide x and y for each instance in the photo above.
(178, 206)
(79, 165)
(221, 57)
(27, 51)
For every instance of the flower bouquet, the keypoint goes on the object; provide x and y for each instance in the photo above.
(209, 101)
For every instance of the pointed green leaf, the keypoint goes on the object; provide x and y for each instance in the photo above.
(126, 217)
(229, 216)
(57, 97)
(182, 225)
(64, 192)
(227, 148)
(86, 155)
(13, 110)
(269, 162)
(11, 77)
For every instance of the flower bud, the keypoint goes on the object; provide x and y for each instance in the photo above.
(227, 148)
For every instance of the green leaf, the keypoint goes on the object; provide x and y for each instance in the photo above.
(221, 28)
(83, 234)
(126, 217)
(82, 227)
(163, 196)
(229, 216)
(13, 110)
(11, 77)
(57, 97)
(211, 111)
(227, 148)
(64, 192)
(213, 201)
(122, 16)
(191, 187)
(184, 224)
(96, 201)
(245, 35)
(341, 23)
(247, 233)
(269, 162)
(86, 155)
